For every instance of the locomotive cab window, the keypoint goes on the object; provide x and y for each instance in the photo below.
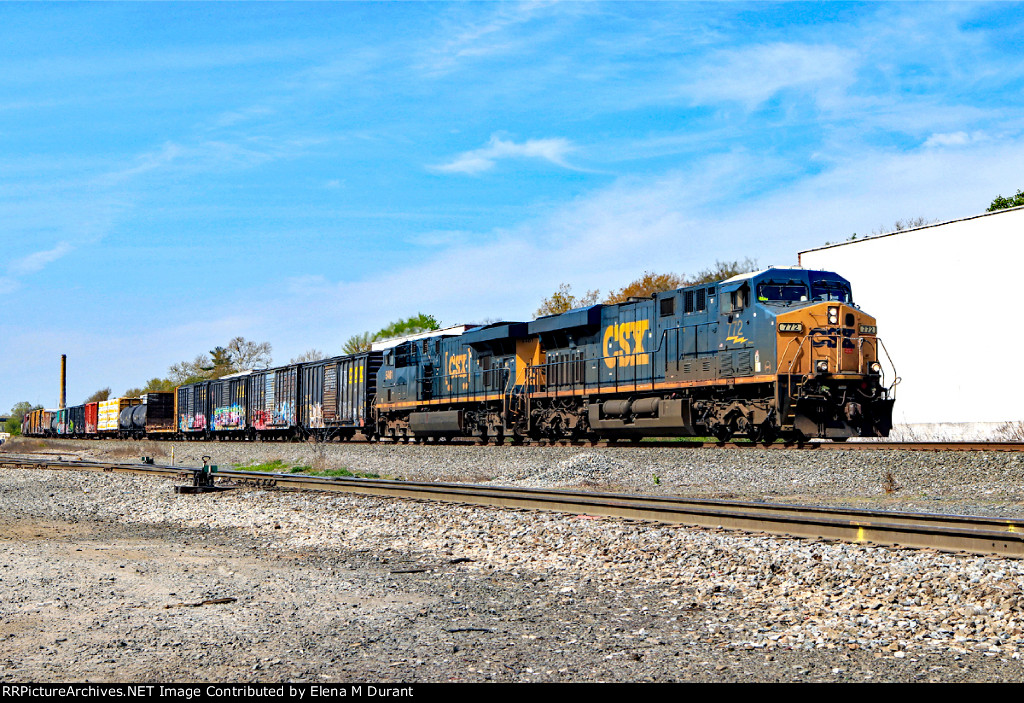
(668, 306)
(736, 300)
(831, 291)
(779, 292)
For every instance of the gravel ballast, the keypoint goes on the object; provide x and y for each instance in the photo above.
(979, 483)
(115, 577)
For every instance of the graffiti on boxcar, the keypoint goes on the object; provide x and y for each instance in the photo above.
(282, 415)
(315, 413)
(192, 423)
(229, 417)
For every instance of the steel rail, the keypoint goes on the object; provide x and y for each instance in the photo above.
(685, 443)
(972, 534)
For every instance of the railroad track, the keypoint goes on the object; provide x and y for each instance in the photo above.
(855, 445)
(813, 445)
(953, 533)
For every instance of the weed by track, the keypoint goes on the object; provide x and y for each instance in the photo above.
(278, 466)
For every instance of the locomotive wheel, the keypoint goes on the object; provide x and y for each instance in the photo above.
(722, 432)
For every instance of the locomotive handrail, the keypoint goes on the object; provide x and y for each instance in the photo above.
(895, 378)
(836, 357)
(799, 349)
(455, 389)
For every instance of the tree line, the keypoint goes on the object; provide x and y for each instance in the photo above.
(647, 285)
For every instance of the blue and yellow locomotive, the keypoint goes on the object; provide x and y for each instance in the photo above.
(780, 352)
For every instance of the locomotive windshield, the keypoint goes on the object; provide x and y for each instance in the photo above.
(775, 291)
(831, 290)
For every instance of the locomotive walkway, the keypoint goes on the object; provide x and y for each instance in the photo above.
(980, 535)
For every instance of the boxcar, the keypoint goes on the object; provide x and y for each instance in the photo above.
(336, 395)
(193, 409)
(92, 411)
(110, 414)
(159, 418)
(229, 404)
(76, 421)
(274, 402)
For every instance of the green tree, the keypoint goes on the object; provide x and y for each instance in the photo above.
(101, 394)
(1001, 203)
(563, 300)
(411, 325)
(18, 413)
(399, 328)
(221, 363)
(155, 385)
(358, 343)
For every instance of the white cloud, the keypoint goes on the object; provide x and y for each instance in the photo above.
(492, 34)
(955, 139)
(145, 163)
(485, 158)
(753, 75)
(680, 221)
(38, 260)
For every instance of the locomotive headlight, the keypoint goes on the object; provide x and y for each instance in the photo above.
(833, 316)
(875, 367)
(822, 366)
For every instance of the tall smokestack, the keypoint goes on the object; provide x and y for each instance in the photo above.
(63, 380)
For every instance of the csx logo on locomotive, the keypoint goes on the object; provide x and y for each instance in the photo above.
(827, 337)
(624, 343)
(458, 367)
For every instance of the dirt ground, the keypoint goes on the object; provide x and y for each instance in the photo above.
(89, 598)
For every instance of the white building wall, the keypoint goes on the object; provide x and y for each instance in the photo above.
(948, 299)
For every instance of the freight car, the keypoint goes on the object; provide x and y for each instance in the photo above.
(779, 352)
(327, 399)
(153, 417)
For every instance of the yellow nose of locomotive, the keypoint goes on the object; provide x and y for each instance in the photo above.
(827, 338)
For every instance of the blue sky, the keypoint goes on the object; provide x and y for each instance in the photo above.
(174, 175)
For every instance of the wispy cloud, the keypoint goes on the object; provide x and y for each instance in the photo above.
(29, 264)
(38, 260)
(245, 114)
(955, 139)
(485, 158)
(753, 75)
(144, 163)
(482, 37)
